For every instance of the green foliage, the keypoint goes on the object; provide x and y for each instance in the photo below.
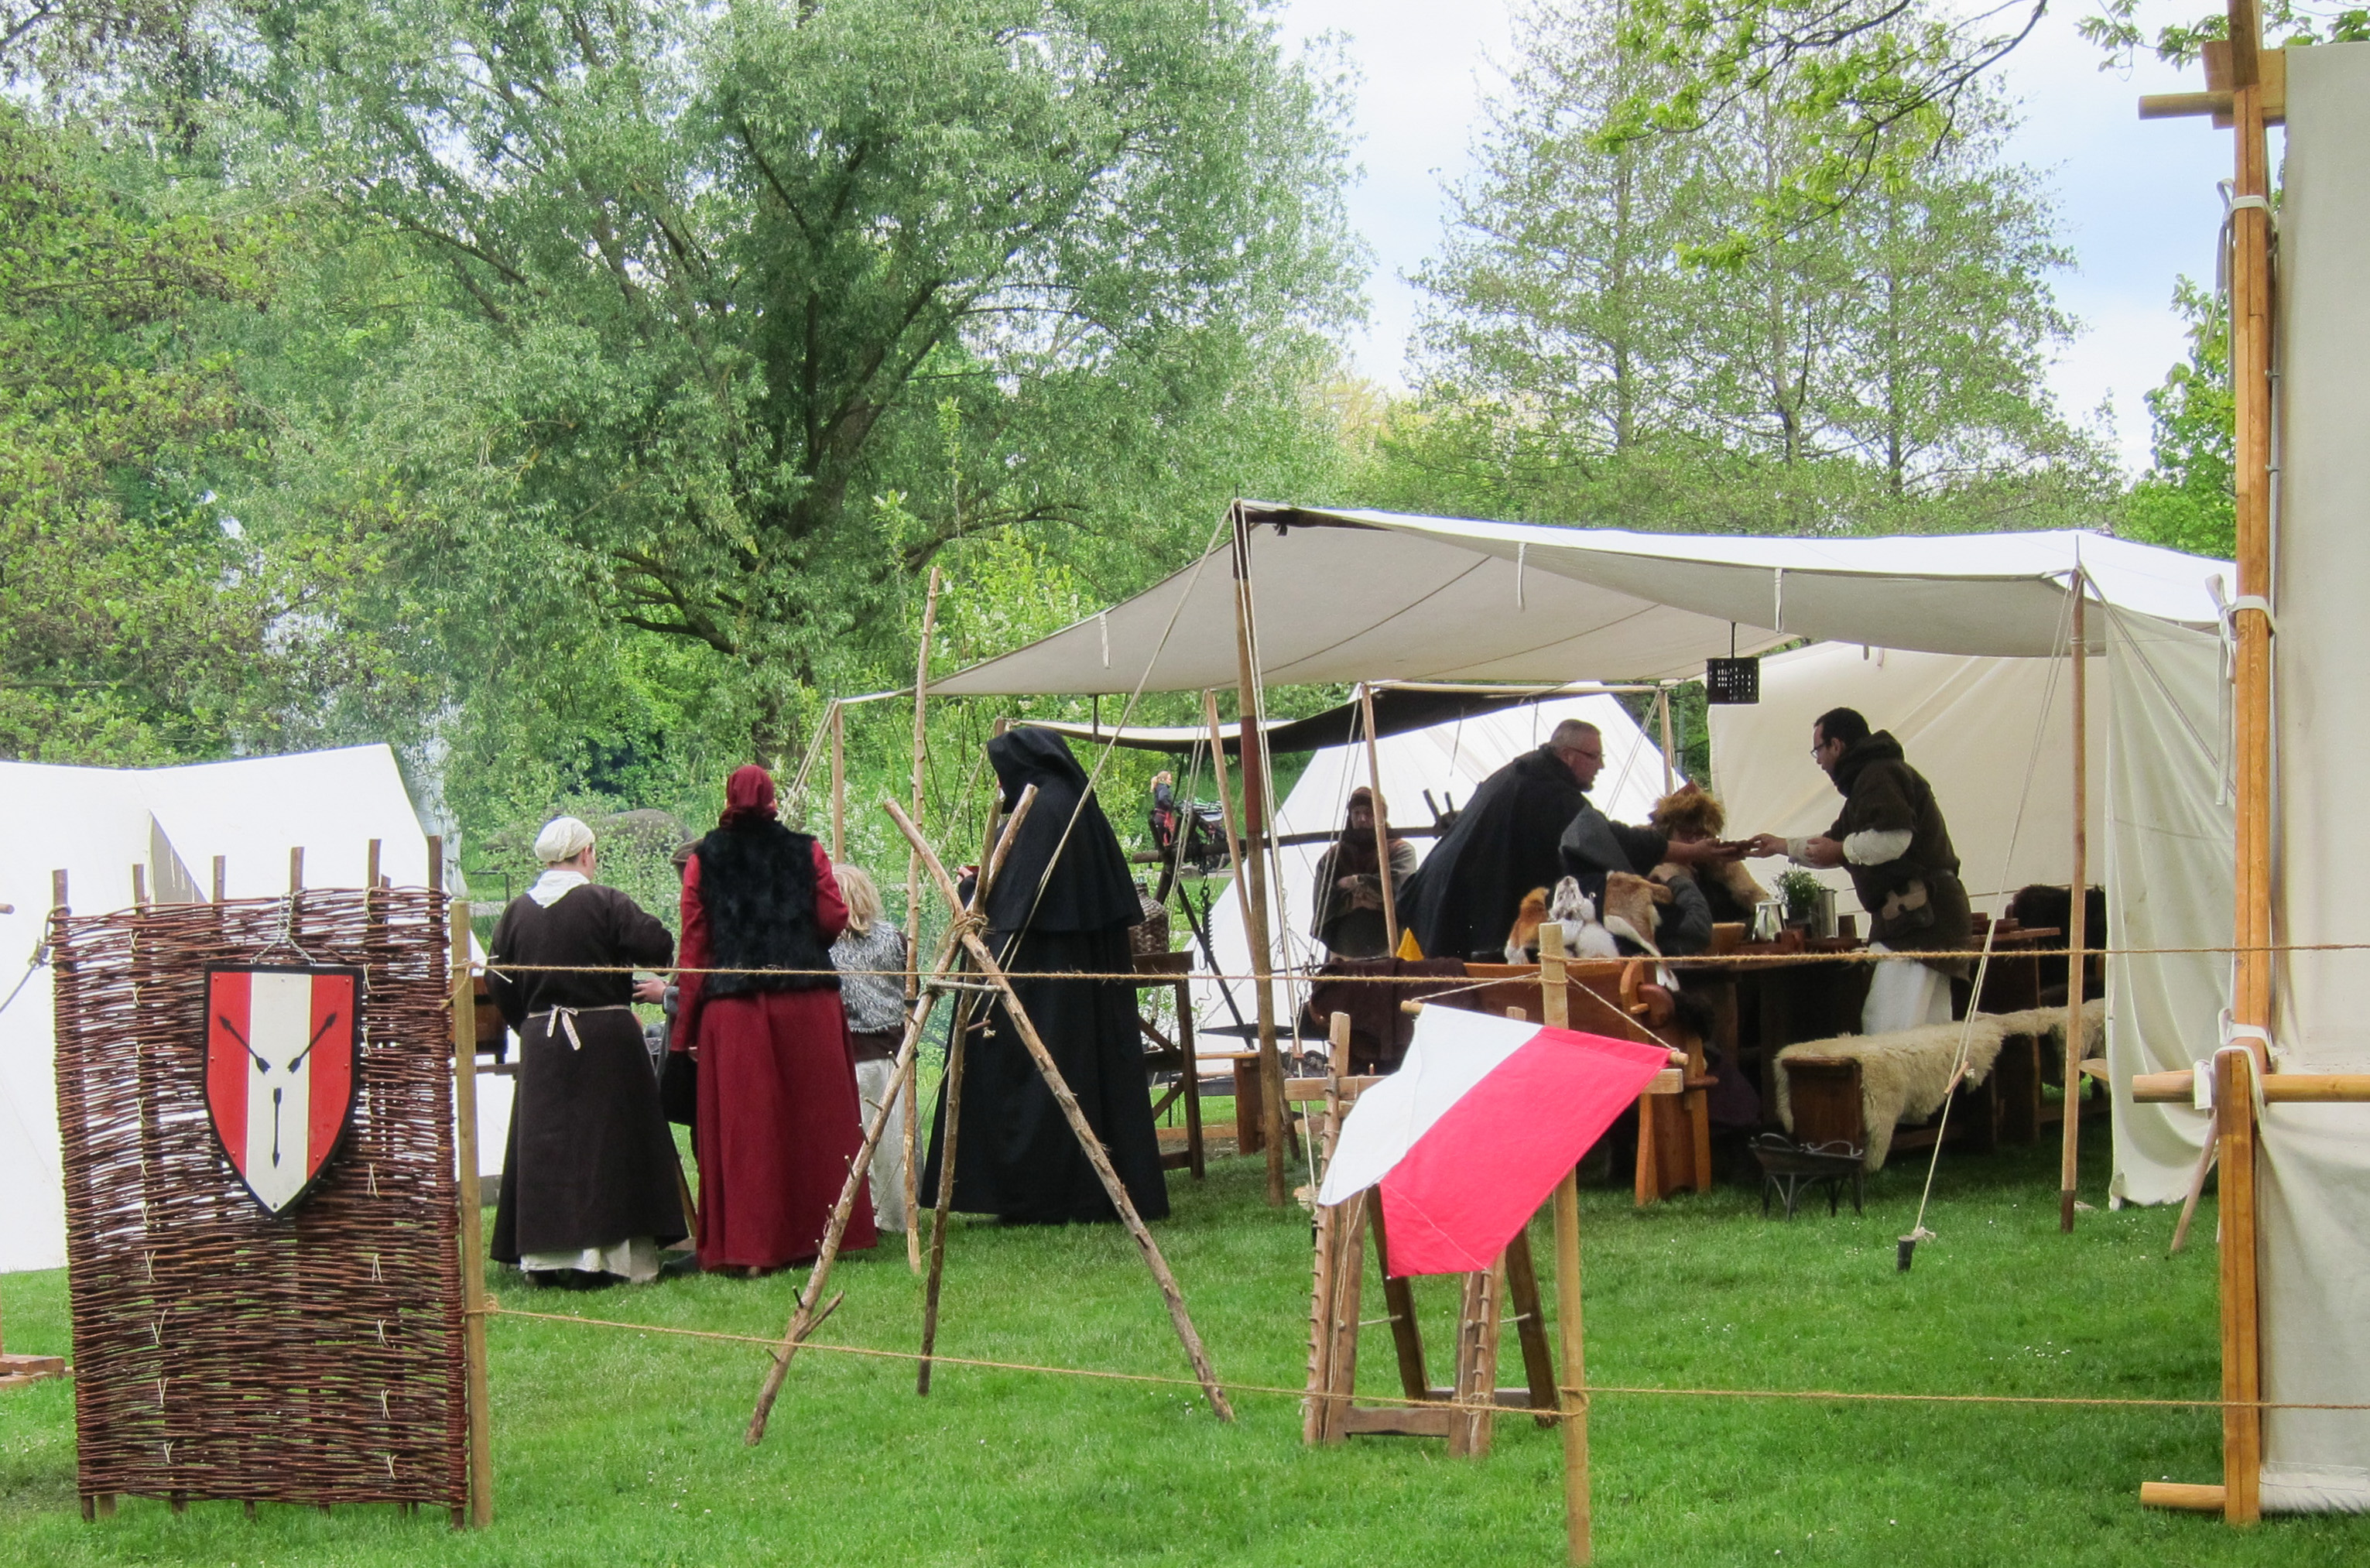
(138, 622)
(1587, 358)
(743, 315)
(2186, 500)
(2286, 24)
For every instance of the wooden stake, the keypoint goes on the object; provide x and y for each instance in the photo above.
(139, 886)
(2070, 1142)
(1558, 1003)
(1382, 824)
(296, 869)
(1088, 1143)
(2189, 1205)
(1315, 1408)
(1256, 836)
(808, 1313)
(222, 877)
(921, 737)
(473, 1251)
(2243, 1425)
(1670, 769)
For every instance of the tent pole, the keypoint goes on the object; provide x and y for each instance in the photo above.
(1255, 837)
(913, 860)
(2251, 365)
(838, 782)
(1226, 813)
(1662, 706)
(1382, 824)
(2078, 920)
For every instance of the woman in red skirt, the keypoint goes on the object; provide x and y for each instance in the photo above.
(779, 1124)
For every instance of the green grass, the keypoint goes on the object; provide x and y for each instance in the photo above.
(621, 1448)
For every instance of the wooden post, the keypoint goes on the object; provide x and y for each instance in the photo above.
(222, 877)
(985, 959)
(838, 780)
(921, 712)
(810, 1308)
(296, 869)
(2242, 1424)
(1256, 836)
(2070, 1143)
(1557, 1001)
(473, 1251)
(1248, 1138)
(1381, 823)
(1316, 1410)
(1669, 766)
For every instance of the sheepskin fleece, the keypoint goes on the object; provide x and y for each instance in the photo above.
(1905, 1076)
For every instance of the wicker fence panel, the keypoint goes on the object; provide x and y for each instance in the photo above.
(218, 1352)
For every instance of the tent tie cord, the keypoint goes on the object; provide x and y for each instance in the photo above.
(1583, 1393)
(1737, 959)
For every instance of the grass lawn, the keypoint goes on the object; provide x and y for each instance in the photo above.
(618, 1448)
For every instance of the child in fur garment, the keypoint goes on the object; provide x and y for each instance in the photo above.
(1583, 935)
(1689, 814)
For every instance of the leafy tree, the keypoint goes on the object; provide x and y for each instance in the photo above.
(2187, 500)
(136, 621)
(1591, 354)
(705, 279)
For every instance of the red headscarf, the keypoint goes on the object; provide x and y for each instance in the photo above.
(748, 796)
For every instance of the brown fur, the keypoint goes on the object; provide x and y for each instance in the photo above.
(1527, 920)
(1633, 898)
(1689, 812)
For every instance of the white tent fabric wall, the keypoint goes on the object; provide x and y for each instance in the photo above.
(1449, 760)
(96, 824)
(2170, 883)
(2316, 1189)
(1968, 724)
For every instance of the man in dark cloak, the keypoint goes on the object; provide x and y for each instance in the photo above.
(1509, 840)
(1063, 902)
(589, 1190)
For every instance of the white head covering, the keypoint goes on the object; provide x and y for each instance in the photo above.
(562, 839)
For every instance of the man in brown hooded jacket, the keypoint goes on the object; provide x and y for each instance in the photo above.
(1892, 838)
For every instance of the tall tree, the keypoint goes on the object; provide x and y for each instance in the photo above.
(2186, 499)
(712, 274)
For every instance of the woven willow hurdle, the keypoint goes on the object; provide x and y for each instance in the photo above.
(315, 1358)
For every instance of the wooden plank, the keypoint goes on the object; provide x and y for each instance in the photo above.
(2242, 1428)
(1357, 1421)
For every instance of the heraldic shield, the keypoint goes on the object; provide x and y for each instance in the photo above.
(283, 1048)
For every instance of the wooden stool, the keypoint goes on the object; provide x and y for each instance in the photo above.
(1168, 971)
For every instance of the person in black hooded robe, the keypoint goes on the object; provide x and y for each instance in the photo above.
(1055, 906)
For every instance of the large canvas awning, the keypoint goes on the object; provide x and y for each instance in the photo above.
(1342, 597)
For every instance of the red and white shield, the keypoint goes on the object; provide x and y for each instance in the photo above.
(281, 1046)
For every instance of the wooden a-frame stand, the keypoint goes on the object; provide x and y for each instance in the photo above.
(1467, 1409)
(962, 940)
(1331, 1414)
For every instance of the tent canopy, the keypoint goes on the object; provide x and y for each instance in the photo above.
(1398, 711)
(1372, 595)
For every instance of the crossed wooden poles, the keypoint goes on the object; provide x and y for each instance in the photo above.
(962, 940)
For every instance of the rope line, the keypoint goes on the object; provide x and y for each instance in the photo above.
(1584, 1391)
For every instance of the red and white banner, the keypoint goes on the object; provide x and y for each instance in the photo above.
(281, 1048)
(1473, 1132)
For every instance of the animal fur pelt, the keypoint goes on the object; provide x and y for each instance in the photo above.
(757, 884)
(1629, 908)
(1903, 1076)
(1584, 936)
(1739, 881)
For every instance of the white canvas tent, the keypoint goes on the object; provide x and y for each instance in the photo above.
(1449, 760)
(96, 824)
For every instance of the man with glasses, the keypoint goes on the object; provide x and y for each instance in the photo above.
(1892, 840)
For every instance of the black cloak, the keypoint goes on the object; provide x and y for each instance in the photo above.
(1016, 1156)
(1462, 900)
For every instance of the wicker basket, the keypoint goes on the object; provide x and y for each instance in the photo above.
(1149, 935)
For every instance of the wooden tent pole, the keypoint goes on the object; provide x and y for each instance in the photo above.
(473, 1218)
(1662, 708)
(1381, 823)
(985, 959)
(1226, 806)
(2078, 921)
(1255, 847)
(2242, 1424)
(838, 780)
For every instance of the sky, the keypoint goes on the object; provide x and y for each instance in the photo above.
(2136, 203)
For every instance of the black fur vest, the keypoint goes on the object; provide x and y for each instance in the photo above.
(757, 885)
